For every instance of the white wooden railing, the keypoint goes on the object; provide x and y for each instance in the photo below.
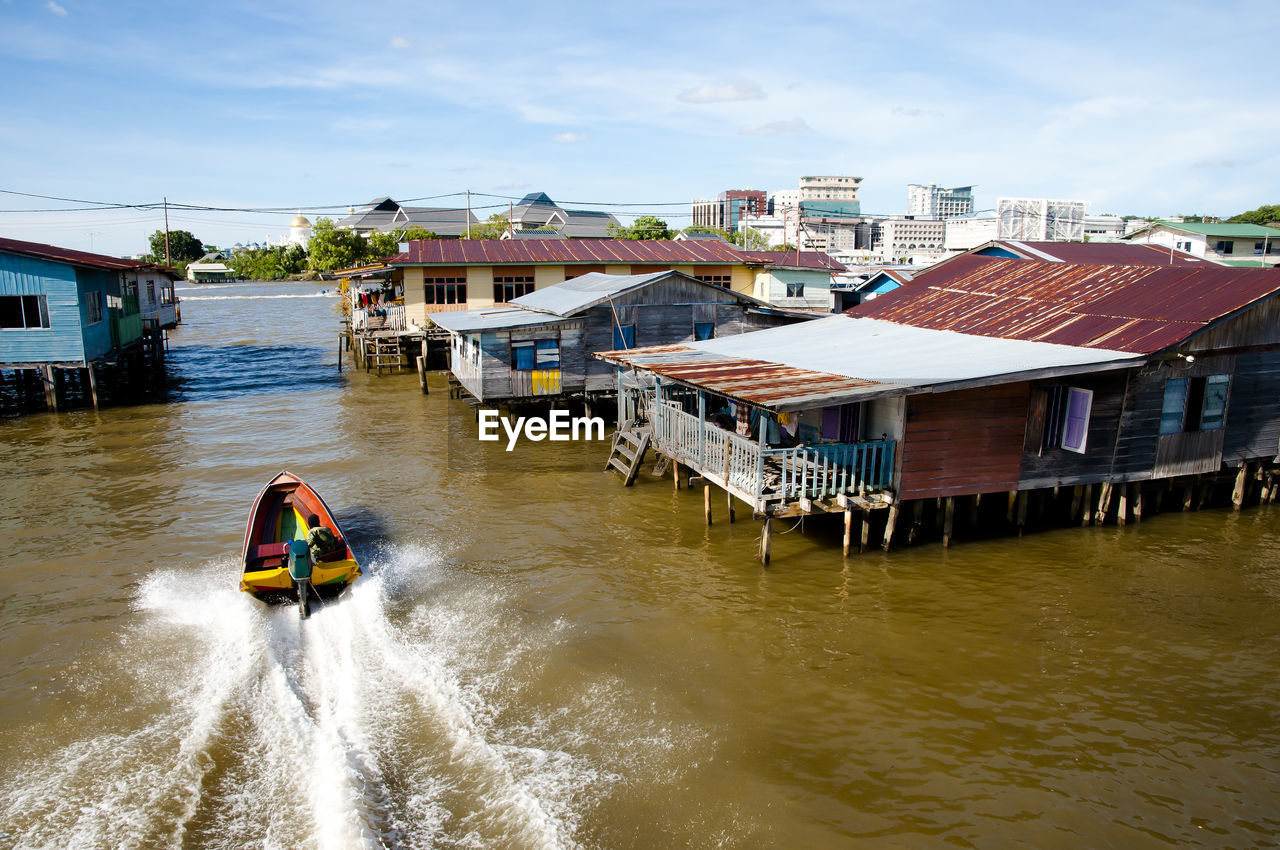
(391, 318)
(772, 474)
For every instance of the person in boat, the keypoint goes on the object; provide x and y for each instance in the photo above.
(320, 540)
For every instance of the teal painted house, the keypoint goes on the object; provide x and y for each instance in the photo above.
(65, 308)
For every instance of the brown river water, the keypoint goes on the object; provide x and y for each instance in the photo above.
(538, 657)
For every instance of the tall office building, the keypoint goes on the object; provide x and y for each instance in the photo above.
(933, 201)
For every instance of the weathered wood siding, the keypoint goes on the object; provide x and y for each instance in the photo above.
(1053, 467)
(1253, 409)
(62, 341)
(501, 382)
(1259, 325)
(963, 442)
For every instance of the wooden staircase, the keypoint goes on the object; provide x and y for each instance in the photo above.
(630, 443)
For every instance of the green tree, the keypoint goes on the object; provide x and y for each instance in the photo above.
(491, 228)
(183, 247)
(751, 240)
(334, 247)
(274, 263)
(1267, 215)
(702, 228)
(386, 244)
(644, 227)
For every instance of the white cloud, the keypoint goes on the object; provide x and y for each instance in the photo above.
(720, 94)
(56, 9)
(569, 138)
(777, 128)
(398, 42)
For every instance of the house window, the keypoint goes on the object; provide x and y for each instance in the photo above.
(1066, 418)
(1259, 247)
(445, 290)
(166, 295)
(624, 337)
(1194, 404)
(507, 287)
(841, 424)
(704, 330)
(93, 307)
(535, 354)
(23, 311)
(795, 290)
(1224, 246)
(722, 280)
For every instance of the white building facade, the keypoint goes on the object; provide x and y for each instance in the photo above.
(1040, 219)
(933, 201)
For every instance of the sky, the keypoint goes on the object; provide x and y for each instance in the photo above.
(1142, 108)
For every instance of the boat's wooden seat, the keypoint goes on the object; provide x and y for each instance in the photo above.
(266, 552)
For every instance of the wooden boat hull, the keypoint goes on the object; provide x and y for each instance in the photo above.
(279, 516)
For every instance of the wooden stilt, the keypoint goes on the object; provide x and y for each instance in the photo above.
(1076, 492)
(1013, 501)
(1188, 495)
(340, 336)
(1238, 494)
(730, 500)
(1137, 502)
(706, 502)
(917, 521)
(948, 523)
(422, 374)
(848, 530)
(937, 514)
(889, 526)
(865, 539)
(766, 540)
(93, 385)
(973, 510)
(49, 379)
(675, 474)
(1122, 509)
(1024, 496)
(1104, 504)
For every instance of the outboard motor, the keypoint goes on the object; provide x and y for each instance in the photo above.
(300, 572)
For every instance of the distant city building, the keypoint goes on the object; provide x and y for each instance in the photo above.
(1104, 228)
(729, 208)
(829, 212)
(1232, 244)
(383, 215)
(903, 236)
(970, 231)
(934, 202)
(300, 230)
(1040, 219)
(536, 211)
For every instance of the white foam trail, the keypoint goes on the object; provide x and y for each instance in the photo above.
(276, 732)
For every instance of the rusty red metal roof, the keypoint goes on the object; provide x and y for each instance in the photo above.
(797, 259)
(1132, 308)
(450, 252)
(1102, 253)
(77, 258)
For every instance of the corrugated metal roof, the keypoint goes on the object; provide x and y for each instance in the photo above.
(77, 258)
(532, 251)
(1126, 308)
(841, 358)
(493, 319)
(577, 294)
(1101, 253)
(798, 260)
(1241, 230)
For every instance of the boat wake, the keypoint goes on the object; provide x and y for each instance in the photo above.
(362, 727)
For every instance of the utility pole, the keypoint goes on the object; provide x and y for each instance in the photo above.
(468, 213)
(166, 231)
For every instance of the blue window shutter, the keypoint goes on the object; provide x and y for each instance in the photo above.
(1175, 402)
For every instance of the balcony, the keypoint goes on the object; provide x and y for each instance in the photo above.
(385, 318)
(771, 477)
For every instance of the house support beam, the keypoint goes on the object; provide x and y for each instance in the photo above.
(1242, 482)
(766, 541)
(706, 502)
(847, 543)
(93, 384)
(949, 522)
(889, 526)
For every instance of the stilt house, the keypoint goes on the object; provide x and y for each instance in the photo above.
(1000, 375)
(538, 345)
(63, 309)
